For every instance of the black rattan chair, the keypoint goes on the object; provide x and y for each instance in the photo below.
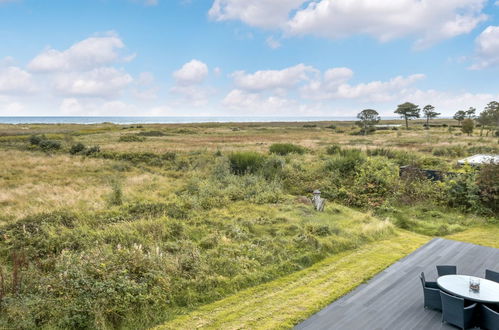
(489, 318)
(431, 294)
(443, 270)
(492, 275)
(454, 311)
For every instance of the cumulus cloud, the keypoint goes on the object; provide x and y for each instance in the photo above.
(84, 55)
(266, 14)
(15, 80)
(335, 86)
(487, 48)
(191, 73)
(188, 83)
(100, 82)
(272, 79)
(428, 21)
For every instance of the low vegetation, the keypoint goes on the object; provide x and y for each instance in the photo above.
(133, 226)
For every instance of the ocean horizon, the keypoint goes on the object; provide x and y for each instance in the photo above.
(127, 120)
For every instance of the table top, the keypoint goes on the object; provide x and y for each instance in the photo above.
(459, 285)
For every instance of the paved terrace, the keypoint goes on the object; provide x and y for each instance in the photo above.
(393, 299)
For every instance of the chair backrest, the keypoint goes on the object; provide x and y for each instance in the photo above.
(492, 275)
(452, 307)
(422, 278)
(443, 270)
(489, 318)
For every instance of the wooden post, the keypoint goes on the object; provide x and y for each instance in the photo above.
(318, 201)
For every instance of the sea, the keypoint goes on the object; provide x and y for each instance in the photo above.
(161, 120)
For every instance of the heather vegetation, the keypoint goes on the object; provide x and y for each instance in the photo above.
(109, 226)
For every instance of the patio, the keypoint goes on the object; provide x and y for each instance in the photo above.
(393, 299)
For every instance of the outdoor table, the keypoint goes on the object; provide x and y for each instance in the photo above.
(459, 285)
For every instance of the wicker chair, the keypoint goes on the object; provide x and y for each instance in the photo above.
(489, 318)
(492, 275)
(443, 270)
(431, 294)
(454, 311)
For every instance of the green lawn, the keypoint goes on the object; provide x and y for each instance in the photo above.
(286, 301)
(485, 235)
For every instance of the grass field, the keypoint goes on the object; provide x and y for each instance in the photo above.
(282, 303)
(130, 226)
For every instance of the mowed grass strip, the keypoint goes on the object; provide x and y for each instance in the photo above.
(284, 302)
(483, 235)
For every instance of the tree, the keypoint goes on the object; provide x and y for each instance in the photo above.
(468, 126)
(368, 118)
(429, 113)
(459, 116)
(408, 111)
(470, 113)
(489, 117)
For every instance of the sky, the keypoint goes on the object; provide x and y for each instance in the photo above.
(245, 57)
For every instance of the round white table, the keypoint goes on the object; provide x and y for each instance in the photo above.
(459, 285)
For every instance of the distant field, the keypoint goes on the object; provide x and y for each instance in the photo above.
(131, 226)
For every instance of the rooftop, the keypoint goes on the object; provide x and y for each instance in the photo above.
(480, 159)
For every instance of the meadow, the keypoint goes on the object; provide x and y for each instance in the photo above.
(133, 226)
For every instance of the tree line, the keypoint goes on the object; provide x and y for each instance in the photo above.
(487, 119)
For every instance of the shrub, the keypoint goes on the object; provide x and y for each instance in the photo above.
(333, 149)
(451, 151)
(488, 184)
(116, 197)
(131, 138)
(35, 139)
(461, 191)
(151, 133)
(49, 145)
(77, 148)
(245, 162)
(272, 167)
(309, 126)
(92, 150)
(286, 148)
(346, 162)
(374, 182)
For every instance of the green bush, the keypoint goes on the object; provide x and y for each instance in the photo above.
(245, 162)
(272, 167)
(451, 151)
(462, 191)
(151, 133)
(49, 145)
(374, 183)
(131, 138)
(488, 185)
(77, 148)
(36, 139)
(346, 162)
(285, 149)
(333, 149)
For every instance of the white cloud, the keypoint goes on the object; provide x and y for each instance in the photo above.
(430, 21)
(266, 14)
(192, 72)
(334, 86)
(426, 20)
(15, 80)
(487, 48)
(84, 55)
(145, 78)
(272, 79)
(100, 82)
(273, 43)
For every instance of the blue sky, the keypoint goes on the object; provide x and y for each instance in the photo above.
(245, 57)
